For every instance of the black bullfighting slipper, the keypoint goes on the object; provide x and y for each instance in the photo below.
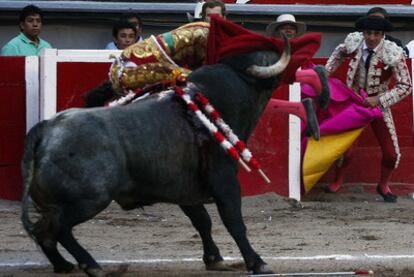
(388, 197)
(325, 96)
(312, 125)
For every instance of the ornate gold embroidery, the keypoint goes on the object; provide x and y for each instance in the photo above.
(157, 59)
(151, 73)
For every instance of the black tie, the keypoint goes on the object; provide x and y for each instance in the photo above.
(368, 60)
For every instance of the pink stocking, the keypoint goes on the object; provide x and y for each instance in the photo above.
(386, 173)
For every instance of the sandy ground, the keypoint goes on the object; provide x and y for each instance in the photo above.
(331, 233)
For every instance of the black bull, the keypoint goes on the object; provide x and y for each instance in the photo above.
(152, 150)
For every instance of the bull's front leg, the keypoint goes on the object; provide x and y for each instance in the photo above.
(226, 193)
(201, 221)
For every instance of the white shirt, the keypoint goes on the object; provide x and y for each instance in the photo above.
(410, 47)
(365, 50)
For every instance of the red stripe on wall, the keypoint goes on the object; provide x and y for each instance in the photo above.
(76, 78)
(12, 125)
(11, 187)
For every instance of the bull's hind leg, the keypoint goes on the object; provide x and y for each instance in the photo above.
(56, 226)
(45, 234)
(226, 193)
(84, 259)
(75, 215)
(201, 221)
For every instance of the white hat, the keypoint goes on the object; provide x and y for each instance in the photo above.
(285, 19)
(197, 12)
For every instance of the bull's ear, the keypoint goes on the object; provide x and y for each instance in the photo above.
(264, 72)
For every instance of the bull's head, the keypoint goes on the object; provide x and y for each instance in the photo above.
(264, 72)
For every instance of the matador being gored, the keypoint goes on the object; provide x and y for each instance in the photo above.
(178, 52)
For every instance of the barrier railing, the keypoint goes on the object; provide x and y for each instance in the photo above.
(49, 60)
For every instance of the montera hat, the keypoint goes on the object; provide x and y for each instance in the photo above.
(376, 23)
(285, 19)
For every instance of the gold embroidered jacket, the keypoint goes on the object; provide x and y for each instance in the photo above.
(160, 57)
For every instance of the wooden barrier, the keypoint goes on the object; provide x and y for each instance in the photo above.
(62, 76)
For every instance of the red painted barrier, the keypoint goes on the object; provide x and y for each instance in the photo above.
(76, 78)
(12, 125)
(269, 141)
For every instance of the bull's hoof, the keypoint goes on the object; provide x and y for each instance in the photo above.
(120, 271)
(219, 266)
(95, 272)
(214, 262)
(66, 267)
(262, 269)
(92, 271)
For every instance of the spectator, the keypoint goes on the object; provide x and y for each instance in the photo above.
(314, 76)
(381, 12)
(136, 21)
(28, 42)
(124, 34)
(210, 8)
(374, 61)
(287, 24)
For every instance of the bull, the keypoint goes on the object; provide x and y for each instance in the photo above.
(152, 150)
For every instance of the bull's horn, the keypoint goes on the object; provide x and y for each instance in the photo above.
(264, 72)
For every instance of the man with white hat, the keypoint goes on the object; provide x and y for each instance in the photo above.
(315, 76)
(287, 24)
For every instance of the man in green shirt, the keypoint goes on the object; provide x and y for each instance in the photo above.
(28, 42)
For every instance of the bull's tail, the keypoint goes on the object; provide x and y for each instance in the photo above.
(32, 140)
